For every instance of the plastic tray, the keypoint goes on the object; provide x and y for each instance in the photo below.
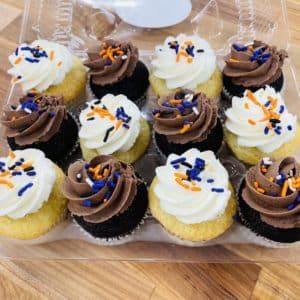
(82, 23)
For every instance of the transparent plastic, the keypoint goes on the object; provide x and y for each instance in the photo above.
(79, 24)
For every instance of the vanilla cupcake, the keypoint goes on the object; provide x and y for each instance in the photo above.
(48, 67)
(191, 196)
(31, 201)
(259, 125)
(114, 126)
(185, 62)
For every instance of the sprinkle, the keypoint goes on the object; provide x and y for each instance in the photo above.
(51, 114)
(274, 194)
(267, 161)
(178, 161)
(239, 47)
(91, 119)
(232, 60)
(176, 167)
(31, 173)
(217, 190)
(251, 122)
(24, 189)
(78, 176)
(200, 50)
(179, 181)
(8, 183)
(267, 103)
(125, 125)
(124, 57)
(251, 97)
(185, 128)
(31, 60)
(16, 173)
(87, 203)
(86, 166)
(2, 164)
(277, 131)
(210, 180)
(51, 55)
(180, 175)
(271, 179)
(116, 174)
(89, 182)
(260, 190)
(12, 155)
(196, 189)
(107, 195)
(107, 133)
(281, 109)
(298, 199)
(289, 127)
(18, 60)
(186, 164)
(196, 111)
(284, 188)
(246, 106)
(111, 184)
(255, 184)
(98, 185)
(291, 206)
(291, 185)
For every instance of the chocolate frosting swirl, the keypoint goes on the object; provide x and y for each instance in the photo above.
(112, 62)
(98, 195)
(254, 65)
(276, 206)
(37, 119)
(191, 120)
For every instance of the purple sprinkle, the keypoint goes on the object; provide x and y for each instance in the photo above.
(277, 131)
(31, 173)
(87, 203)
(235, 217)
(239, 47)
(125, 125)
(116, 174)
(176, 167)
(107, 195)
(217, 190)
(210, 180)
(266, 130)
(155, 111)
(291, 206)
(298, 199)
(86, 166)
(24, 188)
(178, 160)
(281, 109)
(16, 173)
(289, 127)
(17, 51)
(51, 114)
(267, 103)
(2, 164)
(111, 184)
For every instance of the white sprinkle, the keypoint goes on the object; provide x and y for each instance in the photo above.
(28, 110)
(291, 185)
(267, 161)
(291, 173)
(89, 182)
(195, 110)
(278, 177)
(124, 57)
(189, 97)
(78, 176)
(19, 107)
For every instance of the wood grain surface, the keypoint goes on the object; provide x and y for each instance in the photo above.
(23, 279)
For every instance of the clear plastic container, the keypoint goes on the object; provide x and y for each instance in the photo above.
(79, 24)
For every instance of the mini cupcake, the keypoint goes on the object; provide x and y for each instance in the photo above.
(41, 121)
(113, 125)
(186, 62)
(31, 201)
(259, 125)
(115, 68)
(186, 120)
(191, 196)
(106, 197)
(252, 67)
(48, 67)
(269, 199)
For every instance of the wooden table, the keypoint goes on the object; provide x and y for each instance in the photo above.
(130, 280)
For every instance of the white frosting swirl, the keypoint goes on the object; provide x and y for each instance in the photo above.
(40, 69)
(102, 128)
(184, 71)
(14, 202)
(191, 207)
(249, 121)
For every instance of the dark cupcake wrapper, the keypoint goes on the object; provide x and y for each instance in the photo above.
(264, 233)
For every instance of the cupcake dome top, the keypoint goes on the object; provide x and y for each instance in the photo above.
(26, 181)
(256, 64)
(193, 186)
(40, 65)
(101, 189)
(185, 117)
(110, 124)
(272, 189)
(37, 118)
(184, 61)
(261, 120)
(112, 61)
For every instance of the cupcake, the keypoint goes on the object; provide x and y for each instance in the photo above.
(191, 196)
(48, 67)
(269, 199)
(259, 124)
(113, 125)
(187, 120)
(115, 68)
(41, 121)
(31, 201)
(186, 62)
(252, 67)
(106, 198)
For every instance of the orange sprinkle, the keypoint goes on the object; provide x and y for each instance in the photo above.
(26, 165)
(260, 190)
(119, 123)
(251, 97)
(250, 48)
(233, 60)
(284, 188)
(185, 128)
(246, 105)
(157, 115)
(175, 101)
(59, 63)
(263, 169)
(180, 175)
(91, 113)
(105, 172)
(13, 118)
(178, 116)
(193, 183)
(12, 155)
(179, 181)
(18, 60)
(196, 189)
(188, 43)
(8, 183)
(251, 122)
(51, 55)
(255, 184)
(271, 179)
(270, 126)
(3, 174)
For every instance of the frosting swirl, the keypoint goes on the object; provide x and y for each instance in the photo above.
(256, 65)
(110, 124)
(40, 65)
(37, 119)
(112, 62)
(185, 117)
(193, 187)
(272, 189)
(101, 189)
(24, 184)
(184, 61)
(261, 120)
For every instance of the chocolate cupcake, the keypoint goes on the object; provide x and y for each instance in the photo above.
(106, 197)
(114, 68)
(269, 198)
(186, 120)
(253, 67)
(41, 121)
